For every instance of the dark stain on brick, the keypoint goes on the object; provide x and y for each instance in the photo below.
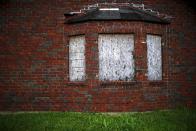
(54, 52)
(149, 97)
(45, 45)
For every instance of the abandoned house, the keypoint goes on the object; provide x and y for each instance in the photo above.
(99, 56)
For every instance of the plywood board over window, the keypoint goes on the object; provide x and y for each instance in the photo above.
(77, 58)
(154, 57)
(116, 57)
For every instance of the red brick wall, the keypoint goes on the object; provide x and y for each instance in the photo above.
(34, 59)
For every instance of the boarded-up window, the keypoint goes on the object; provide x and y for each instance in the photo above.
(154, 57)
(116, 57)
(77, 58)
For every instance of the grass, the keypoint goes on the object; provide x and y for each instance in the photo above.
(172, 120)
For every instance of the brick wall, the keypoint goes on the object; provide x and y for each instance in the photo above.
(34, 59)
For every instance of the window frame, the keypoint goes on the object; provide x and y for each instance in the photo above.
(162, 62)
(78, 82)
(108, 82)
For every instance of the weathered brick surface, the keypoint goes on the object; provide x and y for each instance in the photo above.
(34, 59)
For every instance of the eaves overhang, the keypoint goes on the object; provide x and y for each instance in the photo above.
(121, 14)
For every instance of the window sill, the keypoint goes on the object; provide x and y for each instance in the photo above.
(76, 83)
(156, 83)
(119, 82)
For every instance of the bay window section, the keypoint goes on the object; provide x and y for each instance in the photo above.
(154, 57)
(116, 60)
(77, 58)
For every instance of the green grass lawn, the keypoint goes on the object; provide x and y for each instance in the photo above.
(172, 120)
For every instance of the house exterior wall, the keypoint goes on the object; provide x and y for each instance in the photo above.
(34, 60)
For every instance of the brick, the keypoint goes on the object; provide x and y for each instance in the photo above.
(34, 55)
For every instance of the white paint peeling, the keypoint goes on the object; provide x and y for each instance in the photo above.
(77, 58)
(154, 57)
(116, 57)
